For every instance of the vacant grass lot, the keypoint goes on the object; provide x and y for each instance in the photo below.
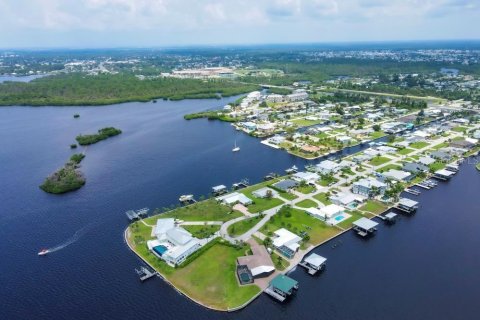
(299, 222)
(389, 166)
(323, 198)
(405, 151)
(306, 189)
(379, 160)
(307, 203)
(208, 210)
(419, 144)
(243, 226)
(201, 232)
(373, 206)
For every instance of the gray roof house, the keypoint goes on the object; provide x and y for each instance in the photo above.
(286, 184)
(366, 186)
(415, 167)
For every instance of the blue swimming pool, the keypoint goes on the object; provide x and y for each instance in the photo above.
(160, 249)
(339, 218)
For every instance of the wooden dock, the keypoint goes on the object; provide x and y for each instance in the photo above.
(275, 295)
(412, 191)
(145, 273)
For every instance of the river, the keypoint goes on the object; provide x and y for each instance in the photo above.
(425, 266)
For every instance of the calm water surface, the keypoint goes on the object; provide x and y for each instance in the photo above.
(424, 267)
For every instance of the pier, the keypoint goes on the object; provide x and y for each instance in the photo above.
(281, 287)
(145, 273)
(133, 215)
(412, 191)
(313, 263)
(219, 190)
(364, 227)
(291, 170)
(407, 205)
(240, 185)
(187, 199)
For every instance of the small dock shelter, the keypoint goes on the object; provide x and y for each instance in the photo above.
(390, 217)
(443, 174)
(407, 205)
(364, 226)
(313, 263)
(218, 190)
(281, 287)
(133, 215)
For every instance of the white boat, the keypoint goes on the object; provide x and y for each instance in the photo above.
(43, 252)
(235, 148)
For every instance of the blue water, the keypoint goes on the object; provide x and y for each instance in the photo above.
(338, 218)
(423, 267)
(29, 78)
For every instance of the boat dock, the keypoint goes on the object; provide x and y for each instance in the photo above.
(313, 263)
(407, 205)
(291, 170)
(133, 215)
(187, 199)
(281, 287)
(145, 273)
(219, 190)
(240, 185)
(415, 192)
(270, 176)
(365, 227)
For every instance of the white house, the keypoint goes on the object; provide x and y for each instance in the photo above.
(286, 242)
(235, 197)
(172, 244)
(274, 98)
(308, 177)
(327, 167)
(326, 213)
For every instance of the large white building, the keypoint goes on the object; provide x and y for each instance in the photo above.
(173, 244)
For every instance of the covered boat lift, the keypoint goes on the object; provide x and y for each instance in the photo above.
(365, 227)
(313, 263)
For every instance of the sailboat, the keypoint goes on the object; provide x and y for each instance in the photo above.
(235, 148)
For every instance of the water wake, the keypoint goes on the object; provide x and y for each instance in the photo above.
(76, 236)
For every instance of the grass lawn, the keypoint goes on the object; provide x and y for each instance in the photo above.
(388, 167)
(201, 231)
(373, 206)
(326, 181)
(305, 123)
(348, 223)
(287, 195)
(437, 165)
(210, 278)
(279, 262)
(405, 151)
(258, 203)
(440, 145)
(377, 134)
(299, 222)
(243, 226)
(459, 129)
(379, 160)
(323, 198)
(307, 203)
(306, 189)
(209, 210)
(419, 144)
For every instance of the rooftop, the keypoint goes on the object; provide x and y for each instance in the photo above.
(283, 283)
(365, 224)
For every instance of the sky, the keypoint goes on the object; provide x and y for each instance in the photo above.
(160, 23)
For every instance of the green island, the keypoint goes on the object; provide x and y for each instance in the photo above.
(66, 179)
(102, 134)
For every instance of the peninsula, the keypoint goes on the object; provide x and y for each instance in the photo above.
(102, 134)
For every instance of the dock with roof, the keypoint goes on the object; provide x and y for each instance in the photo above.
(313, 263)
(364, 226)
(281, 287)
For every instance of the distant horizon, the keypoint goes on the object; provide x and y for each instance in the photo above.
(340, 43)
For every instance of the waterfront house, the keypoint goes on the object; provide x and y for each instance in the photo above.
(397, 175)
(327, 167)
(173, 244)
(264, 193)
(286, 242)
(441, 155)
(462, 144)
(443, 174)
(346, 199)
(414, 168)
(286, 185)
(310, 149)
(257, 265)
(234, 198)
(308, 177)
(368, 187)
(326, 213)
(426, 161)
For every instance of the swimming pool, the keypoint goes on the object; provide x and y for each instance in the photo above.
(339, 218)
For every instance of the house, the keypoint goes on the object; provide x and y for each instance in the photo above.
(397, 175)
(259, 263)
(297, 96)
(441, 155)
(173, 244)
(285, 185)
(234, 198)
(344, 139)
(308, 177)
(327, 167)
(327, 212)
(476, 134)
(346, 199)
(286, 242)
(250, 126)
(264, 193)
(367, 187)
(277, 139)
(462, 144)
(415, 168)
(426, 161)
(361, 158)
